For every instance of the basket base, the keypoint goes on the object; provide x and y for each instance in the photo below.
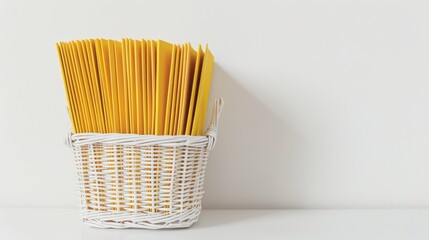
(182, 219)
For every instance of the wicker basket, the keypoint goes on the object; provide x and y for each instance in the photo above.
(142, 181)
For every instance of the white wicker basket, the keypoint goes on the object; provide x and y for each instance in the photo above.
(142, 181)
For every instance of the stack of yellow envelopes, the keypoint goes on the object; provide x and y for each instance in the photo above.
(136, 86)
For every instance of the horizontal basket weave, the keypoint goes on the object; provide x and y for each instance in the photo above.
(142, 181)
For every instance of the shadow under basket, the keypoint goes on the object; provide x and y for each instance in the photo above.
(142, 181)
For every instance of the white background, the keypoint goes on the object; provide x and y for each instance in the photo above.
(327, 104)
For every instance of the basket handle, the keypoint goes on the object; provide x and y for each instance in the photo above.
(211, 131)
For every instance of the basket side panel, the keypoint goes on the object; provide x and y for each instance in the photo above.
(187, 191)
(83, 190)
(133, 179)
(148, 186)
(96, 181)
(113, 172)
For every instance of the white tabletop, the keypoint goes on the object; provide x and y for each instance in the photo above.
(64, 224)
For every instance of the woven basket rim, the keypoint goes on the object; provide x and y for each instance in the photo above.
(141, 140)
(90, 134)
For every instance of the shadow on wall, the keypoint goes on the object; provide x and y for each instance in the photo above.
(252, 165)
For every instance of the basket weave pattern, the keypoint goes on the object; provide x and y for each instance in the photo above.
(142, 181)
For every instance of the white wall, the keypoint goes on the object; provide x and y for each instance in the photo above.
(327, 104)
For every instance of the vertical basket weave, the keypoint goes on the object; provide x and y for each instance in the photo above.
(142, 181)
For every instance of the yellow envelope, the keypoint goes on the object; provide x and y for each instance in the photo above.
(174, 95)
(74, 87)
(103, 66)
(170, 91)
(150, 104)
(125, 75)
(153, 85)
(178, 90)
(87, 126)
(68, 88)
(143, 105)
(203, 93)
(83, 65)
(138, 86)
(188, 75)
(131, 85)
(163, 64)
(114, 86)
(194, 92)
(122, 89)
(95, 84)
(108, 79)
